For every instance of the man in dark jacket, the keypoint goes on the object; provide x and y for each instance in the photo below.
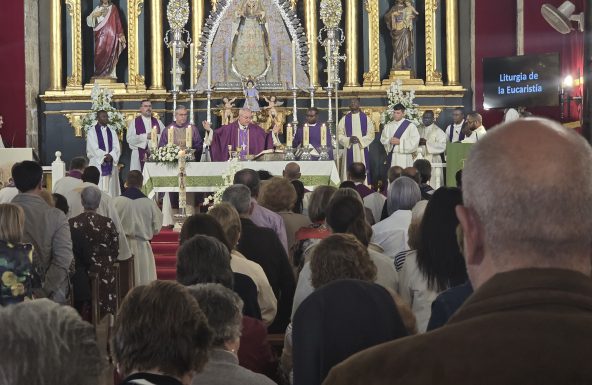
(527, 244)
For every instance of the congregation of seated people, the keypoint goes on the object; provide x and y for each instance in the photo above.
(281, 283)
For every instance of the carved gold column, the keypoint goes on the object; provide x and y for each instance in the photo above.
(351, 44)
(198, 7)
(372, 77)
(156, 45)
(214, 5)
(433, 77)
(310, 15)
(452, 42)
(74, 81)
(55, 46)
(135, 79)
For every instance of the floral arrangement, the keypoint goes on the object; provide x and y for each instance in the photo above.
(167, 154)
(227, 181)
(395, 95)
(101, 101)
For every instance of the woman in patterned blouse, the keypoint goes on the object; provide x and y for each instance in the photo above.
(95, 243)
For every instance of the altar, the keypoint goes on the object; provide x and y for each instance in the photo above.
(207, 177)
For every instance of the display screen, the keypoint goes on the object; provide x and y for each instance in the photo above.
(521, 81)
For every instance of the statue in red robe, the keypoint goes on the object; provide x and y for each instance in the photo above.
(109, 38)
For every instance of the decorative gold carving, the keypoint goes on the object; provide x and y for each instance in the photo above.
(351, 43)
(135, 79)
(452, 42)
(310, 13)
(156, 46)
(375, 114)
(55, 46)
(75, 119)
(74, 81)
(372, 77)
(433, 76)
(178, 13)
(214, 5)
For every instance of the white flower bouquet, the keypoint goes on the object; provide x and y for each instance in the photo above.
(396, 95)
(227, 181)
(101, 101)
(167, 154)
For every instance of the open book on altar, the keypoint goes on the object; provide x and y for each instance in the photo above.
(270, 155)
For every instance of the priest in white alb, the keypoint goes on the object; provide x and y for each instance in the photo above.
(141, 220)
(139, 134)
(355, 132)
(400, 139)
(73, 178)
(102, 150)
(432, 144)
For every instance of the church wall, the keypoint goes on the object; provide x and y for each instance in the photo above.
(495, 35)
(12, 72)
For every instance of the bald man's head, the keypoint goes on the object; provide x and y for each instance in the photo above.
(521, 209)
(292, 171)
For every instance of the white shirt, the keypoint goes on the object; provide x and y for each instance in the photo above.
(475, 136)
(456, 131)
(7, 193)
(391, 233)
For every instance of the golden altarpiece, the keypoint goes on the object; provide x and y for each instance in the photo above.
(144, 69)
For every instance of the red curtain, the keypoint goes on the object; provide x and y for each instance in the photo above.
(12, 72)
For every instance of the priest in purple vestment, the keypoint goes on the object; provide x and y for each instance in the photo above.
(314, 133)
(179, 127)
(243, 134)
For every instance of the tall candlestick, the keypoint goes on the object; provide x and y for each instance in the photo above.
(188, 136)
(209, 53)
(293, 64)
(323, 135)
(171, 135)
(305, 135)
(311, 84)
(289, 135)
(154, 137)
(174, 67)
(191, 64)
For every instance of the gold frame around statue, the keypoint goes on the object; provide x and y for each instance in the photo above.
(74, 81)
(372, 77)
(135, 79)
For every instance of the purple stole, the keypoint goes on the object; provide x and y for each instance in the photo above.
(348, 133)
(133, 193)
(400, 131)
(141, 129)
(461, 136)
(106, 167)
(74, 174)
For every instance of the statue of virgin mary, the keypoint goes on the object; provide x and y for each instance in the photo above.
(251, 52)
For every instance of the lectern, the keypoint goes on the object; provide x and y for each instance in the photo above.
(456, 155)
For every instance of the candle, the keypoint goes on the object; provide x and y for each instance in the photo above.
(289, 135)
(323, 135)
(154, 137)
(209, 53)
(181, 156)
(171, 135)
(189, 136)
(305, 136)
(293, 64)
(191, 64)
(174, 67)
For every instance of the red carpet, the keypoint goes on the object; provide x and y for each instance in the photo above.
(164, 247)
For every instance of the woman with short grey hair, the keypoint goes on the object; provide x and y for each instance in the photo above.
(223, 309)
(392, 233)
(70, 354)
(95, 243)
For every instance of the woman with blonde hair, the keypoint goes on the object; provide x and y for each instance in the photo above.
(16, 258)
